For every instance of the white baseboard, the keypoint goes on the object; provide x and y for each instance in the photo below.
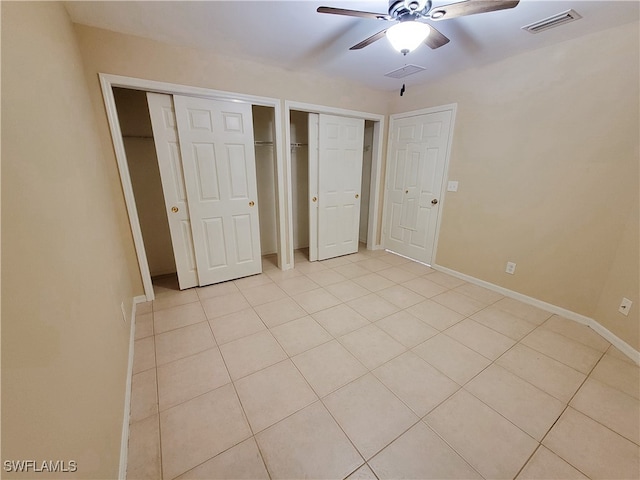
(124, 442)
(616, 341)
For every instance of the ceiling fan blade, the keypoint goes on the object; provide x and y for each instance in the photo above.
(470, 7)
(369, 40)
(353, 13)
(435, 39)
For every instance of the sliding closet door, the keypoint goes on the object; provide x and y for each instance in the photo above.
(165, 134)
(338, 178)
(217, 146)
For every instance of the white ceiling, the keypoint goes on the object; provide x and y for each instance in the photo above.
(290, 34)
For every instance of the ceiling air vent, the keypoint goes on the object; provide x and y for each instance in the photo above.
(553, 21)
(405, 71)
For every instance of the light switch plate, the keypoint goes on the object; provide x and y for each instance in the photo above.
(452, 186)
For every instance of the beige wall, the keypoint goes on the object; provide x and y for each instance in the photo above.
(67, 257)
(545, 148)
(110, 52)
(622, 280)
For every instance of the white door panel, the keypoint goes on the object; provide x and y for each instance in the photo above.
(418, 154)
(339, 175)
(165, 136)
(216, 141)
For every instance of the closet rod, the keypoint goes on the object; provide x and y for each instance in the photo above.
(137, 136)
(262, 142)
(297, 145)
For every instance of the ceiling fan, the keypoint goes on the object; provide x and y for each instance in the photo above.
(408, 30)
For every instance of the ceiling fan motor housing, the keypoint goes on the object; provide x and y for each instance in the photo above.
(406, 9)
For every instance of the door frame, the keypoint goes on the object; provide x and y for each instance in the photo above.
(376, 167)
(452, 107)
(109, 81)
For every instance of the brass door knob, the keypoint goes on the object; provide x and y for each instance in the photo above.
(406, 191)
(434, 201)
(314, 199)
(174, 209)
(357, 196)
(251, 203)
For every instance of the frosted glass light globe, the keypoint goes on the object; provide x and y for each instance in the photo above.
(407, 36)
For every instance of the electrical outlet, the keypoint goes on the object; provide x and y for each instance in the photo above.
(124, 314)
(625, 306)
(511, 268)
(452, 186)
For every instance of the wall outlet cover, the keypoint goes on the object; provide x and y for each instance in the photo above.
(452, 186)
(625, 306)
(511, 268)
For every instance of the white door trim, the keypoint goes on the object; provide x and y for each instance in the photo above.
(108, 81)
(392, 118)
(376, 166)
(314, 125)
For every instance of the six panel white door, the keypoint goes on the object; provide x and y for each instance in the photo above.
(418, 152)
(165, 134)
(339, 175)
(216, 142)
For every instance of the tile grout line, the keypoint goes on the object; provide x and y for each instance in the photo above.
(566, 407)
(155, 358)
(244, 413)
(406, 349)
(368, 371)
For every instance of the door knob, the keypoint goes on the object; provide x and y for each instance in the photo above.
(434, 201)
(174, 209)
(314, 199)
(406, 191)
(357, 196)
(251, 203)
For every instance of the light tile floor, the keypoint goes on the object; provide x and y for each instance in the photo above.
(371, 366)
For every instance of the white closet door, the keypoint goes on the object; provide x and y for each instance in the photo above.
(165, 136)
(340, 150)
(216, 142)
(418, 152)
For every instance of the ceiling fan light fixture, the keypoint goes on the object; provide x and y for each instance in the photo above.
(407, 36)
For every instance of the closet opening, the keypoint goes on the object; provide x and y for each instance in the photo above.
(144, 171)
(142, 162)
(299, 145)
(265, 150)
(303, 192)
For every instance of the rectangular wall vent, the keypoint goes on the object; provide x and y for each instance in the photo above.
(553, 21)
(405, 71)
